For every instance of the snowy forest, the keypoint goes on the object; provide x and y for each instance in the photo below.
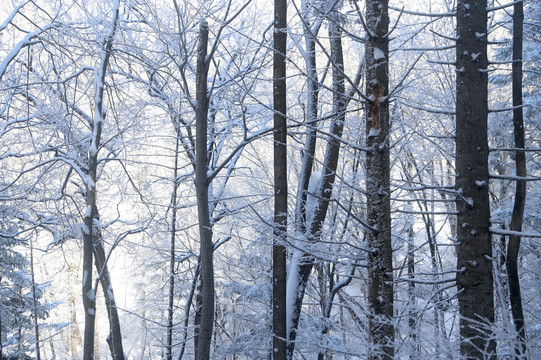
(287, 179)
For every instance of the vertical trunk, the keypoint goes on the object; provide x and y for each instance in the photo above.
(90, 237)
(412, 319)
(279, 254)
(520, 191)
(202, 189)
(380, 258)
(74, 328)
(474, 252)
(34, 303)
(328, 175)
(169, 345)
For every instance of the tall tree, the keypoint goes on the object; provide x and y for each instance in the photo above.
(279, 252)
(513, 246)
(91, 233)
(474, 251)
(378, 192)
(204, 333)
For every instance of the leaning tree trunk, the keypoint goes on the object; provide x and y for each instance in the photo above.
(328, 175)
(378, 193)
(279, 253)
(474, 251)
(204, 333)
(520, 191)
(89, 233)
(114, 340)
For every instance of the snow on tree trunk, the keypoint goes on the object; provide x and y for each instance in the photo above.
(279, 254)
(513, 247)
(474, 252)
(380, 257)
(90, 235)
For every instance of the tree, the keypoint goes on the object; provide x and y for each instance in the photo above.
(279, 252)
(202, 351)
(378, 192)
(474, 251)
(517, 217)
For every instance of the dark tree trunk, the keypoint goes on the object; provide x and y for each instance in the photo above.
(90, 235)
(202, 189)
(474, 252)
(520, 191)
(172, 260)
(328, 175)
(114, 340)
(279, 253)
(380, 257)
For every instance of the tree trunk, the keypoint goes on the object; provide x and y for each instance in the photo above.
(34, 303)
(114, 339)
(90, 234)
(328, 175)
(172, 260)
(279, 253)
(474, 252)
(202, 189)
(380, 257)
(520, 190)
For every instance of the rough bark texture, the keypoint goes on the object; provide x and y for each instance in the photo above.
(380, 264)
(202, 189)
(474, 252)
(279, 274)
(520, 189)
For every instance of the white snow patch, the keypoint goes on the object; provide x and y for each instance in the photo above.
(292, 288)
(374, 132)
(378, 54)
(479, 35)
(91, 294)
(311, 200)
(480, 183)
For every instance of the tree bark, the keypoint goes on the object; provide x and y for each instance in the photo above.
(380, 257)
(474, 252)
(90, 234)
(520, 188)
(202, 189)
(172, 259)
(279, 253)
(114, 339)
(328, 175)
